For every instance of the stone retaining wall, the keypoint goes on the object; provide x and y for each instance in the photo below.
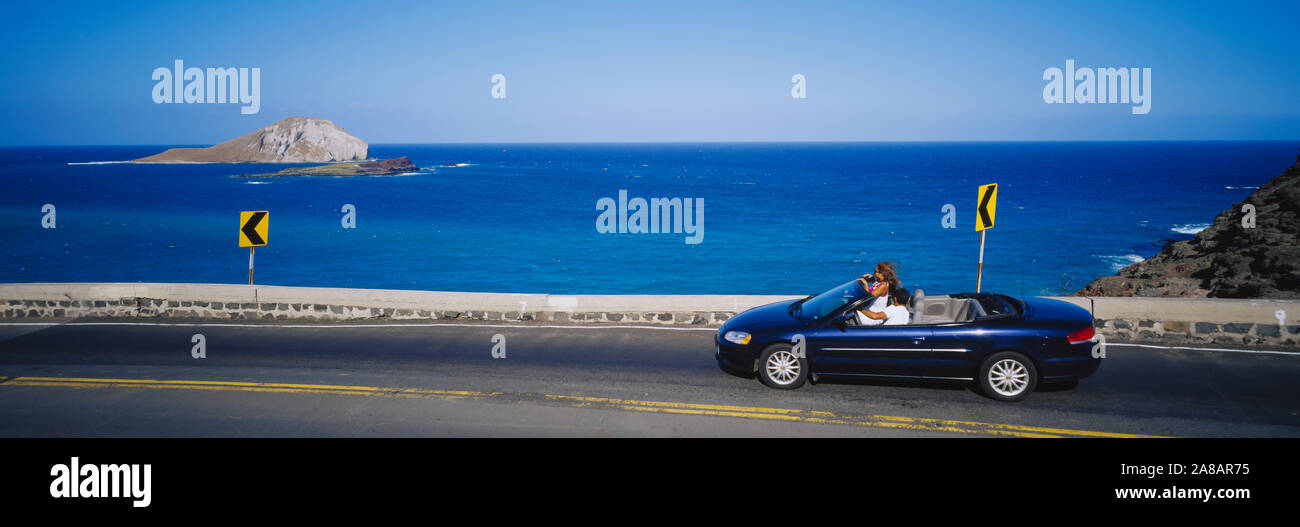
(1145, 320)
(160, 308)
(1194, 321)
(240, 302)
(1177, 332)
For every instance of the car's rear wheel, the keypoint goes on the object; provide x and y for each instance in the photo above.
(779, 368)
(1008, 376)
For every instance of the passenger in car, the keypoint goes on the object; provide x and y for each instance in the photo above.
(879, 285)
(895, 314)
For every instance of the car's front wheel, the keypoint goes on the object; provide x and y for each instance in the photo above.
(778, 367)
(1008, 376)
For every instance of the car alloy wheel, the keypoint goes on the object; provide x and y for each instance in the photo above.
(783, 367)
(1008, 376)
(780, 368)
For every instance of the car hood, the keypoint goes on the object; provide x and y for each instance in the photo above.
(776, 314)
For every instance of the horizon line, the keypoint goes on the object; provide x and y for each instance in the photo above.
(684, 142)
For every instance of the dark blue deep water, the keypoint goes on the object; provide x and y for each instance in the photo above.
(778, 218)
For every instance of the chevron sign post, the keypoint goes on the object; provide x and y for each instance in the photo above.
(254, 230)
(987, 209)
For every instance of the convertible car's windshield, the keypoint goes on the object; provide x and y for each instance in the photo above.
(820, 306)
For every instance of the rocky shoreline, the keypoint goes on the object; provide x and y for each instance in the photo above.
(386, 167)
(1252, 250)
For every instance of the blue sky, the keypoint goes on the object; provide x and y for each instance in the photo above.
(79, 73)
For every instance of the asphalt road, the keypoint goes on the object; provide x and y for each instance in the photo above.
(425, 379)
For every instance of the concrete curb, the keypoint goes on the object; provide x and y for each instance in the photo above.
(1169, 321)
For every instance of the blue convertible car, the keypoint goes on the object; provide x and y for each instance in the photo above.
(1007, 346)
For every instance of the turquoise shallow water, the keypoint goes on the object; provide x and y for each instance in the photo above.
(778, 218)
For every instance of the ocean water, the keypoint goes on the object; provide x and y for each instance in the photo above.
(778, 218)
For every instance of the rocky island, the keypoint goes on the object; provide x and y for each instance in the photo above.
(290, 140)
(1239, 256)
(386, 167)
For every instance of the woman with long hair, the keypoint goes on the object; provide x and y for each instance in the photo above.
(879, 284)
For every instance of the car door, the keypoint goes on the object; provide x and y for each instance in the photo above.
(953, 349)
(869, 350)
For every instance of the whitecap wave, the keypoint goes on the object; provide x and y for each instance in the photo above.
(257, 182)
(99, 163)
(1246, 188)
(1118, 262)
(1189, 228)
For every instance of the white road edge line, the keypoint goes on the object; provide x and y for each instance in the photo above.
(328, 326)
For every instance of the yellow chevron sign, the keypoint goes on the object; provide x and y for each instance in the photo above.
(988, 206)
(254, 226)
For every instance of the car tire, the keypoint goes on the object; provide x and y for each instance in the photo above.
(779, 368)
(1008, 376)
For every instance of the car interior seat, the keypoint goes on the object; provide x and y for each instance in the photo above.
(931, 309)
(913, 303)
(961, 310)
(943, 309)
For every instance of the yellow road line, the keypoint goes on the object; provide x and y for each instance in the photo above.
(717, 410)
(265, 387)
(830, 418)
(616, 402)
(1038, 429)
(254, 384)
(820, 420)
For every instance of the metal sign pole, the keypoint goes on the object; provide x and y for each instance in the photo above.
(250, 262)
(979, 274)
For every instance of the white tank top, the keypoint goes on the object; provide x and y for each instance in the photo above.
(877, 305)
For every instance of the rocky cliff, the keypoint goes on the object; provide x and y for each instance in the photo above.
(291, 140)
(1229, 259)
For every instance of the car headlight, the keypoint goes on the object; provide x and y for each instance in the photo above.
(737, 337)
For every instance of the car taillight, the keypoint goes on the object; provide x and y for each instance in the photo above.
(1083, 335)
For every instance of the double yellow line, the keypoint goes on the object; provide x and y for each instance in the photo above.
(815, 416)
(268, 387)
(746, 412)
